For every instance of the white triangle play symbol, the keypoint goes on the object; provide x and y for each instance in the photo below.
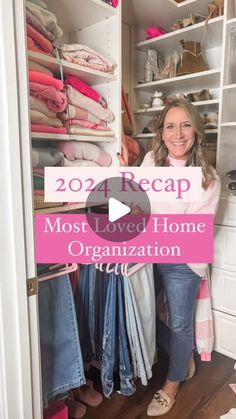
(116, 210)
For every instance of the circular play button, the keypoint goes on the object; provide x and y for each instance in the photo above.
(119, 211)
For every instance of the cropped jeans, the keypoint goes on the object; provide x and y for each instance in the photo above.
(180, 285)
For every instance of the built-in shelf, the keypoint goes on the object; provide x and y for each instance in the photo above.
(231, 23)
(89, 75)
(228, 124)
(193, 33)
(153, 111)
(211, 131)
(79, 14)
(43, 136)
(229, 87)
(203, 80)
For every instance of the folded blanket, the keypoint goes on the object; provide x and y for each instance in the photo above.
(45, 79)
(37, 117)
(76, 150)
(83, 55)
(32, 65)
(77, 99)
(87, 124)
(75, 129)
(45, 128)
(33, 21)
(33, 46)
(41, 106)
(78, 163)
(38, 182)
(80, 113)
(56, 101)
(48, 19)
(83, 88)
(39, 39)
(45, 156)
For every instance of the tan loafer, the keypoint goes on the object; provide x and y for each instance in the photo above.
(160, 404)
(191, 369)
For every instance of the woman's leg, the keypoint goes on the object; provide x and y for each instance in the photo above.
(180, 284)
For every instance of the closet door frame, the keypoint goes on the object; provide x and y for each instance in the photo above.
(16, 225)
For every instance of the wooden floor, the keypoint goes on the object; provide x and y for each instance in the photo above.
(206, 396)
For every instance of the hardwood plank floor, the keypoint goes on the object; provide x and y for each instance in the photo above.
(206, 396)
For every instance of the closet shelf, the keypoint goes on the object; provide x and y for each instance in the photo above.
(203, 80)
(73, 15)
(88, 75)
(153, 111)
(229, 87)
(152, 12)
(194, 33)
(228, 124)
(231, 23)
(62, 208)
(70, 137)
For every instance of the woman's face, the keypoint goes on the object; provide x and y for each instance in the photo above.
(178, 133)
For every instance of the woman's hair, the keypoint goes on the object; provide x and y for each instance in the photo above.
(197, 155)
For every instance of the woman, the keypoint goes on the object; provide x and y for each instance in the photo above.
(179, 143)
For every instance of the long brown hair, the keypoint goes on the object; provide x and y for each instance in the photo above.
(197, 156)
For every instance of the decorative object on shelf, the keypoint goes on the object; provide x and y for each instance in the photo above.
(215, 8)
(113, 3)
(192, 60)
(151, 66)
(154, 32)
(145, 105)
(157, 100)
(204, 94)
(188, 21)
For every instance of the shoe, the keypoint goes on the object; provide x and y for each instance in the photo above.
(160, 404)
(191, 368)
(192, 60)
(175, 59)
(211, 121)
(87, 394)
(76, 410)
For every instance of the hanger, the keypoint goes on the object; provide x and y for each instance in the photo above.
(71, 267)
(131, 269)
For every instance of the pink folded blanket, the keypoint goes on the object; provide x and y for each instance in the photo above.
(79, 113)
(33, 46)
(45, 128)
(56, 101)
(45, 79)
(77, 150)
(77, 99)
(87, 124)
(76, 129)
(41, 106)
(85, 89)
(39, 39)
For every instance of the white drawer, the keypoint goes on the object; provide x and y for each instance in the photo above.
(226, 214)
(224, 248)
(225, 334)
(223, 291)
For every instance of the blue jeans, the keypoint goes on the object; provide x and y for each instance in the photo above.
(62, 364)
(84, 301)
(180, 284)
(127, 386)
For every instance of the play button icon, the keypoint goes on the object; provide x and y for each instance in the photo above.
(116, 214)
(117, 210)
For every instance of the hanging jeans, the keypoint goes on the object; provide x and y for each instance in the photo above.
(180, 285)
(116, 356)
(62, 364)
(85, 305)
(102, 280)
